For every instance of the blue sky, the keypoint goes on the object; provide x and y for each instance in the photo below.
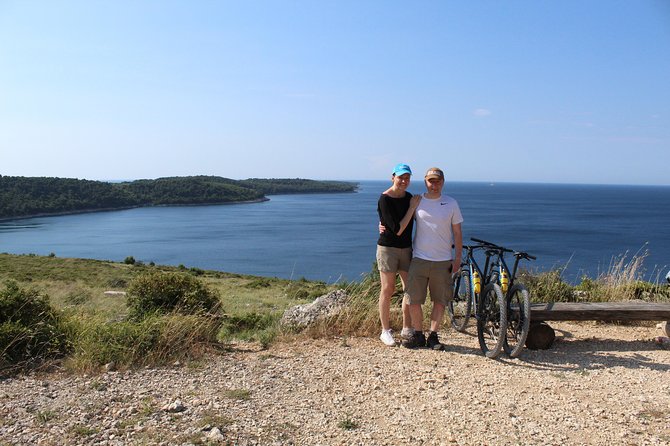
(534, 91)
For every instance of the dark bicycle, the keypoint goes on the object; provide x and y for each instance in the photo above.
(517, 297)
(473, 289)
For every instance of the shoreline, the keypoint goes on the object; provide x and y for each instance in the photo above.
(123, 208)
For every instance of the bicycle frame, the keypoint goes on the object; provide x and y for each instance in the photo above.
(473, 266)
(498, 265)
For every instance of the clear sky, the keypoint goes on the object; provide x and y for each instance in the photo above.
(566, 91)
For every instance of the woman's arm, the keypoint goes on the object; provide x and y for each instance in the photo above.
(413, 204)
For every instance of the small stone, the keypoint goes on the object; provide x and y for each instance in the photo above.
(110, 367)
(174, 407)
(215, 435)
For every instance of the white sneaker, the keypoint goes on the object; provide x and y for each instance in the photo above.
(406, 333)
(387, 338)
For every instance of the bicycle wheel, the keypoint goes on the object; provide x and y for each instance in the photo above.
(491, 320)
(460, 306)
(518, 320)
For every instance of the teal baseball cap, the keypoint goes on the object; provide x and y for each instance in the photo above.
(401, 169)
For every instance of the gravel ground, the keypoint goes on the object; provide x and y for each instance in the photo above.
(599, 384)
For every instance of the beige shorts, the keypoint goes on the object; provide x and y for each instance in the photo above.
(428, 275)
(392, 260)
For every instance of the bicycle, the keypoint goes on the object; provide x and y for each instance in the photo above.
(487, 301)
(517, 297)
(468, 278)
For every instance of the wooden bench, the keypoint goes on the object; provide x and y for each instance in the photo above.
(541, 335)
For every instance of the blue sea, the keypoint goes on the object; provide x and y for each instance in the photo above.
(581, 229)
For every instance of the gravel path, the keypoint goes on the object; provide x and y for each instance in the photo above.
(599, 384)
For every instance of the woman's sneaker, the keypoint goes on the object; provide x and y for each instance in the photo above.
(387, 338)
(417, 340)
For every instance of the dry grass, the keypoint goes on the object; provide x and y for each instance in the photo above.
(361, 315)
(156, 340)
(253, 305)
(623, 281)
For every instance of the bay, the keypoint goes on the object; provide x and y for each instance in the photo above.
(581, 229)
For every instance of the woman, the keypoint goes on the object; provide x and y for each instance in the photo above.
(394, 248)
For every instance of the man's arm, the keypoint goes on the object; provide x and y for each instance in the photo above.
(458, 247)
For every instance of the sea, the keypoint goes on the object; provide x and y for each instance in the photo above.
(582, 230)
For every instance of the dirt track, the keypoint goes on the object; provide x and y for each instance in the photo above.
(599, 384)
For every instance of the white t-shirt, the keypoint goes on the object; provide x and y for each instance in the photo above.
(434, 236)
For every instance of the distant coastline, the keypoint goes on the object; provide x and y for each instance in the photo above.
(33, 197)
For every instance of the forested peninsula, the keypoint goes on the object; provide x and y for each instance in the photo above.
(42, 196)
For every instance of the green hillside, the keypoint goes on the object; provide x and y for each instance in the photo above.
(30, 196)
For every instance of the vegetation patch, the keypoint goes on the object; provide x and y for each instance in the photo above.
(238, 394)
(81, 430)
(180, 314)
(158, 339)
(250, 327)
(348, 423)
(31, 330)
(44, 416)
(547, 286)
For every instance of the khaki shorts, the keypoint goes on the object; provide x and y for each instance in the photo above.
(392, 260)
(428, 275)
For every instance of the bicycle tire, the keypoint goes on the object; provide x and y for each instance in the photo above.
(460, 306)
(491, 320)
(518, 322)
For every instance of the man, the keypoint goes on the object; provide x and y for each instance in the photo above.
(438, 229)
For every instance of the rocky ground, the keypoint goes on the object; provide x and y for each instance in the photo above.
(599, 384)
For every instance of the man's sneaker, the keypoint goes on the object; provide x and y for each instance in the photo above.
(417, 340)
(406, 333)
(433, 342)
(387, 338)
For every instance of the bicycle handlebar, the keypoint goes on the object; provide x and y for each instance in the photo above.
(525, 255)
(478, 240)
(490, 245)
(493, 246)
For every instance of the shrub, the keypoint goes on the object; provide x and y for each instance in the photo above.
(159, 292)
(31, 331)
(547, 286)
(130, 260)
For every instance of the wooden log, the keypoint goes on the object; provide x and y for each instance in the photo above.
(589, 311)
